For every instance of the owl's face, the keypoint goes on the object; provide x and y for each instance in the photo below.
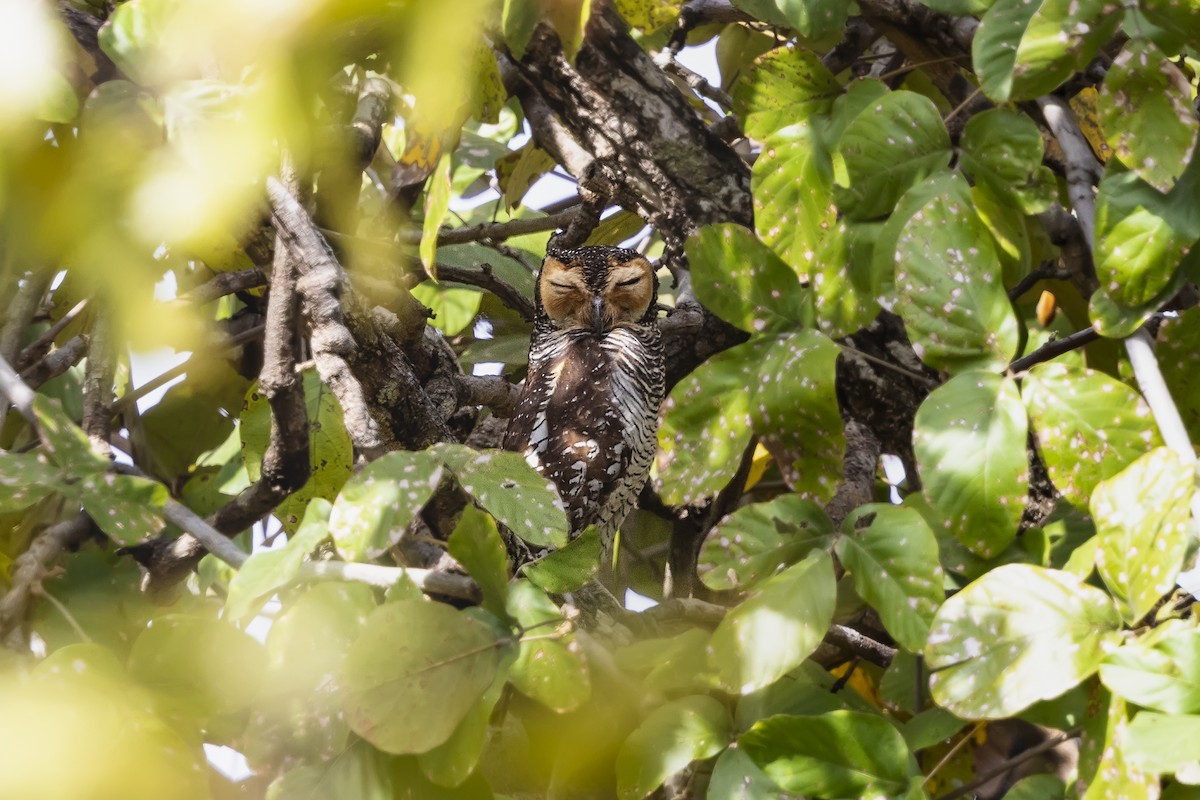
(596, 288)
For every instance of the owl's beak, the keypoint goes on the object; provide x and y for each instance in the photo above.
(598, 315)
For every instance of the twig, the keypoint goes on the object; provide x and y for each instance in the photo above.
(38, 348)
(319, 283)
(485, 278)
(40, 590)
(29, 568)
(860, 645)
(56, 362)
(1053, 349)
(1005, 766)
(1044, 271)
(224, 283)
(495, 231)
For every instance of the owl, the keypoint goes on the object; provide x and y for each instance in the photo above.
(587, 415)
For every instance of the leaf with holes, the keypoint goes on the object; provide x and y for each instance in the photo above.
(267, 570)
(375, 505)
(1004, 150)
(1159, 669)
(510, 490)
(706, 425)
(1141, 518)
(549, 670)
(846, 280)
(1146, 107)
(1017, 635)
(794, 409)
(792, 185)
(785, 86)
(946, 185)
(969, 440)
(949, 291)
(777, 627)
(837, 754)
(1088, 426)
(415, 672)
(126, 507)
(1178, 343)
(25, 478)
(744, 282)
(674, 735)
(476, 544)
(757, 540)
(1142, 235)
(892, 145)
(894, 562)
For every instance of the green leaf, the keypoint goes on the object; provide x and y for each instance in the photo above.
(360, 772)
(838, 754)
(1026, 49)
(744, 282)
(133, 34)
(794, 409)
(331, 454)
(792, 185)
(204, 668)
(812, 19)
(549, 670)
(415, 672)
(894, 561)
(511, 491)
(889, 147)
(437, 204)
(969, 440)
(648, 15)
(68, 445)
(520, 169)
(1089, 427)
(1004, 150)
(1178, 343)
(736, 777)
(929, 727)
(949, 291)
(945, 184)
(377, 503)
(126, 507)
(1037, 787)
(1141, 516)
(1145, 106)
(959, 7)
(25, 478)
(757, 540)
(566, 569)
(1159, 669)
(453, 309)
(670, 664)
(671, 737)
(268, 570)
(777, 627)
(847, 283)
(1141, 236)
(452, 762)
(785, 86)
(1017, 635)
(1163, 743)
(519, 19)
(476, 544)
(706, 425)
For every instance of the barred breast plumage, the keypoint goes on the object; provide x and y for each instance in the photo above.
(587, 415)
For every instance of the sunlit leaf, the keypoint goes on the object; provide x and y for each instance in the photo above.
(548, 669)
(1089, 427)
(894, 562)
(437, 204)
(360, 772)
(777, 627)
(969, 440)
(267, 570)
(1141, 516)
(889, 147)
(675, 734)
(1017, 635)
(1004, 149)
(1146, 108)
(785, 86)
(25, 478)
(415, 672)
(1158, 670)
(792, 185)
(567, 568)
(1163, 743)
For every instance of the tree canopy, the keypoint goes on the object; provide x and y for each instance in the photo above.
(923, 517)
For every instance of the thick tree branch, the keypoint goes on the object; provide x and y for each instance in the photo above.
(56, 362)
(486, 278)
(495, 231)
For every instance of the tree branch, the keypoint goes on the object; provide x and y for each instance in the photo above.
(1053, 349)
(29, 568)
(224, 283)
(39, 347)
(56, 362)
(486, 278)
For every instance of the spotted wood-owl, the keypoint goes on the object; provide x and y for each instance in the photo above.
(587, 415)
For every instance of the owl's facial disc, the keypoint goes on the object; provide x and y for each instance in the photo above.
(628, 291)
(576, 297)
(566, 297)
